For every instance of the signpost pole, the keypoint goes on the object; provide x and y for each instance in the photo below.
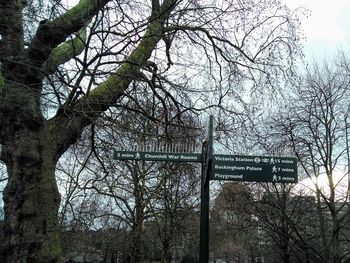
(207, 152)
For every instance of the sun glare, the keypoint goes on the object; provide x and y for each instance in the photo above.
(340, 181)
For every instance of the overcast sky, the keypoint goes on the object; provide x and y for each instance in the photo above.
(328, 27)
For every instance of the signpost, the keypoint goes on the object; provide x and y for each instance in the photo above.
(207, 151)
(254, 168)
(221, 167)
(158, 156)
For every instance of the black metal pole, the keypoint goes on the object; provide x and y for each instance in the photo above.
(204, 224)
(207, 152)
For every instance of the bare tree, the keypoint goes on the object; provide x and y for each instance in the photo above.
(142, 194)
(233, 234)
(287, 218)
(316, 125)
(63, 67)
(177, 201)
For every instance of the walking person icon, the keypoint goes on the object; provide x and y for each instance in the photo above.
(274, 169)
(274, 178)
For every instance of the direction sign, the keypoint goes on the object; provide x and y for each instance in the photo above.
(254, 168)
(158, 156)
(222, 167)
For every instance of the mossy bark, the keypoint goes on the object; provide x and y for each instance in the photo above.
(32, 145)
(31, 198)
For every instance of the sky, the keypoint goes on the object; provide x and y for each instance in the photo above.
(327, 29)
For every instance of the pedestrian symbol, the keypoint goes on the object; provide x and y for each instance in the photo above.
(274, 178)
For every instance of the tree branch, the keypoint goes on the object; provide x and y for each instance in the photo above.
(67, 127)
(64, 52)
(52, 33)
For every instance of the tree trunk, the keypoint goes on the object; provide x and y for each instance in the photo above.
(166, 255)
(31, 198)
(137, 244)
(324, 250)
(31, 145)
